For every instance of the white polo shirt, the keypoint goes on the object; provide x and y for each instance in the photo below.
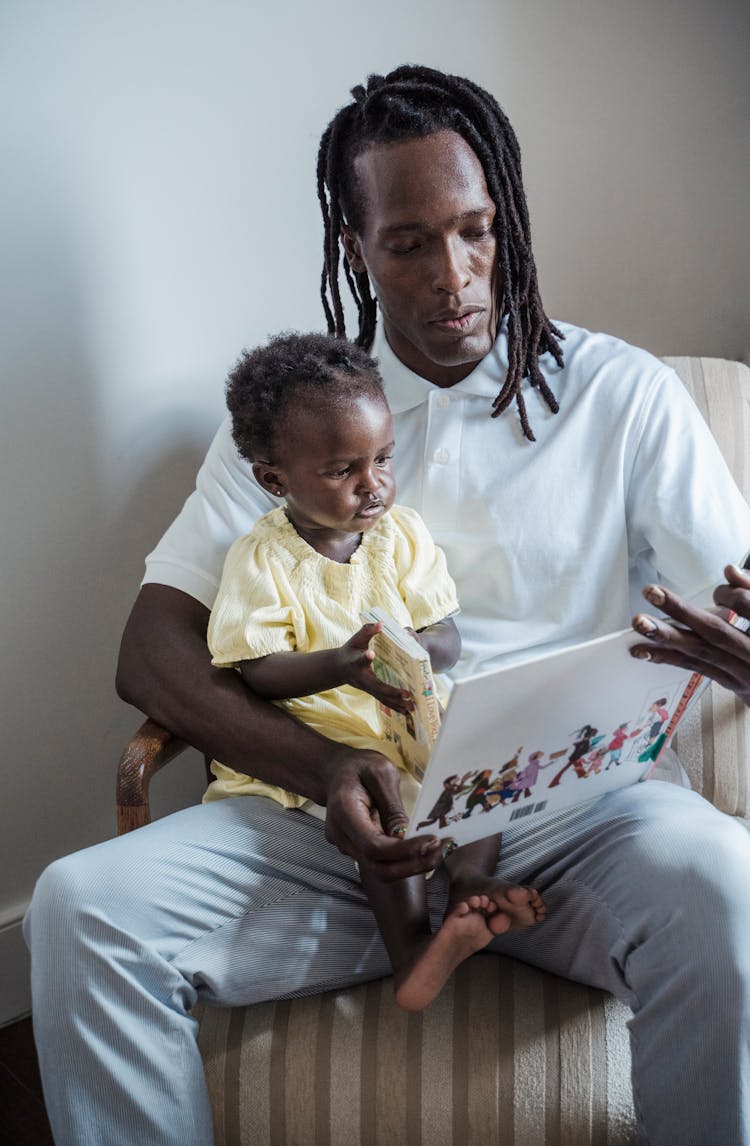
(549, 542)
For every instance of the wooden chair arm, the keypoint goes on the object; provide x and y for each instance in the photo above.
(149, 750)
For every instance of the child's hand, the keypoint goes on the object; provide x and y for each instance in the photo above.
(356, 664)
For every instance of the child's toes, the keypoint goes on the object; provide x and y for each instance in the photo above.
(499, 923)
(519, 896)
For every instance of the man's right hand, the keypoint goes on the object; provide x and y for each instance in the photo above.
(364, 810)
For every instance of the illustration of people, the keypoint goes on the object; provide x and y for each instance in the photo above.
(477, 795)
(594, 761)
(659, 717)
(500, 789)
(443, 806)
(615, 746)
(587, 739)
(529, 774)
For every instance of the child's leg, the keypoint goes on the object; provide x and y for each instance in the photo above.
(400, 908)
(423, 962)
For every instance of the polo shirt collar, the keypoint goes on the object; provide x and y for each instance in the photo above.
(406, 390)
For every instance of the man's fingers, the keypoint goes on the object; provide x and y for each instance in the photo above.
(697, 631)
(737, 576)
(672, 656)
(393, 857)
(736, 594)
(364, 809)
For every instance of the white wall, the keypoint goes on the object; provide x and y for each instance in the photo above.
(158, 212)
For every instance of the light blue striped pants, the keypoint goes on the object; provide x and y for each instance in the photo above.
(238, 901)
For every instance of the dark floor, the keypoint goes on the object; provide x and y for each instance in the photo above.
(24, 1121)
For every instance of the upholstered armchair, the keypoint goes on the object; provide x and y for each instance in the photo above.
(507, 1054)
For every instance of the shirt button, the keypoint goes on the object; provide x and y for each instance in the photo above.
(441, 456)
(443, 401)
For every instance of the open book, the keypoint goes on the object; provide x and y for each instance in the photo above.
(555, 730)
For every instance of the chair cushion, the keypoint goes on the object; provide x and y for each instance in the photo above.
(507, 1054)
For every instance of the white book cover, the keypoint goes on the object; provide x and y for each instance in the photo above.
(556, 730)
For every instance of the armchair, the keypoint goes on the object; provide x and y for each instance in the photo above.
(507, 1054)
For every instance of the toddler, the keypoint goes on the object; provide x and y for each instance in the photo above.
(310, 414)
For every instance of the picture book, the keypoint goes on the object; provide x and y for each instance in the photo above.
(553, 731)
(401, 661)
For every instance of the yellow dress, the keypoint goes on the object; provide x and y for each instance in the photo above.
(278, 594)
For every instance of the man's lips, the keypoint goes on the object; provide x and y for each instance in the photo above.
(458, 321)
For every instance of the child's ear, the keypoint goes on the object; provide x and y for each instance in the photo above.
(270, 478)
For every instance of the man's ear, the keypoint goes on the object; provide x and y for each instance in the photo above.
(270, 478)
(352, 248)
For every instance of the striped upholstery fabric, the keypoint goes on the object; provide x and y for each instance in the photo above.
(713, 743)
(507, 1055)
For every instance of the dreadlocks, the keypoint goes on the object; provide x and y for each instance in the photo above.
(413, 102)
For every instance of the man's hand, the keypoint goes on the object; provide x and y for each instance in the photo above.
(701, 640)
(364, 810)
(356, 670)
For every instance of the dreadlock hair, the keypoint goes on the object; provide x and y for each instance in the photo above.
(413, 102)
(293, 368)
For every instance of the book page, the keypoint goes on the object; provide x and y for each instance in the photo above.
(546, 734)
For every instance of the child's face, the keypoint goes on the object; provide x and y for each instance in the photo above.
(335, 465)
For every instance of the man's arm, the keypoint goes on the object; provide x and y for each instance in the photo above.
(701, 640)
(165, 670)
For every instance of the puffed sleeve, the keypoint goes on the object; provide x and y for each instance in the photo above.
(426, 586)
(254, 613)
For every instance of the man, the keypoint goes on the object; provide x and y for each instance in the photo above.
(548, 521)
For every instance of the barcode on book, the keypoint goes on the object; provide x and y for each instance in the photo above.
(528, 810)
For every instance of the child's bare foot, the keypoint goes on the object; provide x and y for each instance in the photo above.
(465, 930)
(515, 907)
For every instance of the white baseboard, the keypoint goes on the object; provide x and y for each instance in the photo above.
(15, 966)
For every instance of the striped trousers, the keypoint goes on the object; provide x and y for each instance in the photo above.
(240, 901)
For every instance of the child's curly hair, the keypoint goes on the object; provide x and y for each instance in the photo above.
(293, 368)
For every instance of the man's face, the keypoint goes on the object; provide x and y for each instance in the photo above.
(428, 247)
(333, 464)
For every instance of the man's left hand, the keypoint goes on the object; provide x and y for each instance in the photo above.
(700, 640)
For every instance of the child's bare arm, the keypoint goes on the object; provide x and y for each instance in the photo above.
(443, 642)
(280, 676)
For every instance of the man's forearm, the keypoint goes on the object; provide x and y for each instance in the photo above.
(165, 670)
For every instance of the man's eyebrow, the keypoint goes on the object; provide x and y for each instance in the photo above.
(465, 216)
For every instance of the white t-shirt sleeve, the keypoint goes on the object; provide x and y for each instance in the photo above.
(226, 503)
(686, 517)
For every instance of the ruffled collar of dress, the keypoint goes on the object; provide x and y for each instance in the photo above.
(372, 540)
